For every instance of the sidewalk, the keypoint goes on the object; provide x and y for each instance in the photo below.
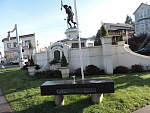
(4, 105)
(145, 109)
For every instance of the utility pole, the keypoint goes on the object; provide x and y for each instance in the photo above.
(19, 44)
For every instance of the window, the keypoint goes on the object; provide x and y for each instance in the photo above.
(143, 14)
(146, 24)
(14, 44)
(76, 45)
(141, 25)
(27, 42)
(8, 45)
(90, 44)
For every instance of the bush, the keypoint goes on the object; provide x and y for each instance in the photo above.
(121, 70)
(77, 72)
(92, 70)
(37, 67)
(136, 68)
(49, 74)
(25, 67)
(53, 62)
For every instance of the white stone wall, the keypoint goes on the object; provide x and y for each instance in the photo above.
(121, 55)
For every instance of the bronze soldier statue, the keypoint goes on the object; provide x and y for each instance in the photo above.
(70, 14)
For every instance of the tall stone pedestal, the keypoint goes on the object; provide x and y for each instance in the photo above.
(107, 54)
(71, 33)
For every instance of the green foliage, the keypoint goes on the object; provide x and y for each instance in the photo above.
(104, 31)
(121, 37)
(97, 41)
(129, 20)
(31, 61)
(136, 68)
(30, 45)
(121, 70)
(63, 60)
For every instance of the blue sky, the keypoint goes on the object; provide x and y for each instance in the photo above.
(45, 18)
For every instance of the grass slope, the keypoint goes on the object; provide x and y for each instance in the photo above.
(23, 92)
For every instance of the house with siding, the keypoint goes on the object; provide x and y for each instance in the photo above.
(142, 19)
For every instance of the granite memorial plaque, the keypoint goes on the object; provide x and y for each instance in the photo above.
(86, 86)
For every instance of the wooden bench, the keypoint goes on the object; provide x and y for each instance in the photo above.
(95, 87)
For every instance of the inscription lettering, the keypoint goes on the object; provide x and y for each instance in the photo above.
(76, 90)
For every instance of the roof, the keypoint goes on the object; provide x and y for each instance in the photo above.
(72, 39)
(140, 6)
(22, 36)
(111, 26)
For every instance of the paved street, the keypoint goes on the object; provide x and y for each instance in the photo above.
(7, 66)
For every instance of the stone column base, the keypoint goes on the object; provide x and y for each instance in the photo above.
(97, 98)
(59, 100)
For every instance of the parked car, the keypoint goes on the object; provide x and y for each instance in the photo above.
(16, 61)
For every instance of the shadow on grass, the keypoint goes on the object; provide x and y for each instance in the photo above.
(130, 80)
(50, 107)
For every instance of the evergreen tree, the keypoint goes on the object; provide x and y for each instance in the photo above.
(63, 60)
(97, 41)
(31, 61)
(129, 20)
(30, 45)
(121, 37)
(104, 31)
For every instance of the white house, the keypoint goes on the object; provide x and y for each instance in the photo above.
(11, 48)
(142, 19)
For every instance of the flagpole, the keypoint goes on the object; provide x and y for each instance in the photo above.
(79, 41)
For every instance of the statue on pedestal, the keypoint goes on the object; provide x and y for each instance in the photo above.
(70, 14)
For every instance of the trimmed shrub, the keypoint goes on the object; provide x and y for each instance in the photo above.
(63, 60)
(104, 31)
(77, 72)
(37, 67)
(49, 74)
(136, 68)
(25, 67)
(92, 70)
(121, 70)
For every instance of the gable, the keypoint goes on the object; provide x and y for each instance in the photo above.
(142, 7)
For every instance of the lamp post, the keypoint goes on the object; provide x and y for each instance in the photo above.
(79, 41)
(19, 44)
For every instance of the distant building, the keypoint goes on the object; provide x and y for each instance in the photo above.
(142, 19)
(115, 30)
(11, 47)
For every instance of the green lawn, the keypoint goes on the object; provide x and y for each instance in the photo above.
(132, 91)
